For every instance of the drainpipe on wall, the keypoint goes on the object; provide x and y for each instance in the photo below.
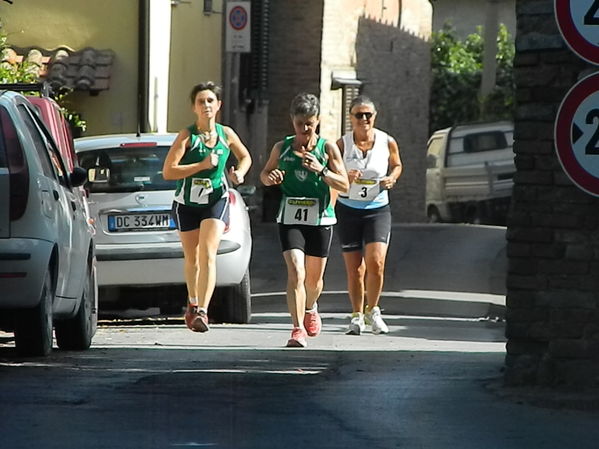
(142, 67)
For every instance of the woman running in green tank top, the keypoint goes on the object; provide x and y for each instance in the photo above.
(306, 167)
(197, 161)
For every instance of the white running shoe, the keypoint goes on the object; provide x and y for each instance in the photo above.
(374, 318)
(356, 325)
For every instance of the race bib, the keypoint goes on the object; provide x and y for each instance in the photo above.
(303, 211)
(201, 188)
(364, 189)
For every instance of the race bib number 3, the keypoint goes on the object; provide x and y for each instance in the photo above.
(301, 211)
(364, 189)
(201, 188)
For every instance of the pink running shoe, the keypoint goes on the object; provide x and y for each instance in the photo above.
(298, 338)
(312, 323)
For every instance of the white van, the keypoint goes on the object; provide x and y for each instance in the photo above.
(469, 175)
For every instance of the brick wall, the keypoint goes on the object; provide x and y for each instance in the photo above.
(553, 239)
(395, 67)
(295, 54)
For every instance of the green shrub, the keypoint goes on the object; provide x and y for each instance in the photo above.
(456, 77)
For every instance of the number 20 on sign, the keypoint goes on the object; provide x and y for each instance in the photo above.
(577, 134)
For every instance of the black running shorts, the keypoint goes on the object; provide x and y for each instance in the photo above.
(188, 218)
(359, 227)
(312, 240)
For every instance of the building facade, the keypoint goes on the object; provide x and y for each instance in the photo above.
(160, 49)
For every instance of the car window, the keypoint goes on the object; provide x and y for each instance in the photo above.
(38, 143)
(487, 141)
(130, 168)
(50, 160)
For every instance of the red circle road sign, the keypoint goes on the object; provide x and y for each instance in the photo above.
(577, 134)
(578, 21)
(238, 18)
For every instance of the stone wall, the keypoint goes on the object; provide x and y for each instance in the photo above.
(553, 239)
(395, 67)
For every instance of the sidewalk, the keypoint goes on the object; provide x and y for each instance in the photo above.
(409, 302)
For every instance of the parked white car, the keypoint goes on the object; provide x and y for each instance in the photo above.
(469, 175)
(47, 260)
(136, 242)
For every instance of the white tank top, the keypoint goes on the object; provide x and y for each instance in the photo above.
(365, 193)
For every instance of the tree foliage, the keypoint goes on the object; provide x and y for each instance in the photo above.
(457, 67)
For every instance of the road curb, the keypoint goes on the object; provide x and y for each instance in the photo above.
(414, 302)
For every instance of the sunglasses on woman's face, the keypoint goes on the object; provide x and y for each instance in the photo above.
(363, 115)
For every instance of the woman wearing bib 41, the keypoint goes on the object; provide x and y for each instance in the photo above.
(306, 167)
(373, 164)
(197, 161)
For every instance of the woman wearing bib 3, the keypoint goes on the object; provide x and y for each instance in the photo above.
(306, 167)
(373, 164)
(197, 161)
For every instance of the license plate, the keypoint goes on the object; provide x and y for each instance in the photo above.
(140, 222)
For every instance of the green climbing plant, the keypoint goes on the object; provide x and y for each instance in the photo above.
(457, 67)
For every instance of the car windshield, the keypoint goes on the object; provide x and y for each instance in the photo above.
(129, 168)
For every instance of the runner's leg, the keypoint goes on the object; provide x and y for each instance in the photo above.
(296, 292)
(211, 231)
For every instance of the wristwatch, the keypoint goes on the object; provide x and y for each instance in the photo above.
(323, 172)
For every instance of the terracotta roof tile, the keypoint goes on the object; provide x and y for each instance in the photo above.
(88, 69)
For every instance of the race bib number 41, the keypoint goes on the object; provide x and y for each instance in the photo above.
(364, 189)
(302, 211)
(200, 191)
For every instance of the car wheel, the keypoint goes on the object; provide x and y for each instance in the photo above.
(236, 302)
(33, 328)
(76, 333)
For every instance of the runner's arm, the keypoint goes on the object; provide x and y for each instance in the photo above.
(270, 174)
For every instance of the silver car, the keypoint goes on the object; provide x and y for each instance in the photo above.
(47, 260)
(136, 242)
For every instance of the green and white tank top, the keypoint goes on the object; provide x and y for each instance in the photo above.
(206, 187)
(306, 197)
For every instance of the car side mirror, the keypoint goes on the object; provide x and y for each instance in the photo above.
(98, 174)
(78, 177)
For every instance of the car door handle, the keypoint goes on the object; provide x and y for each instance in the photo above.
(56, 195)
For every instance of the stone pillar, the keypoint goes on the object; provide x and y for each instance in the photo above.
(553, 227)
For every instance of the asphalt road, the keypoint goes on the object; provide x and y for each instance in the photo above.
(431, 383)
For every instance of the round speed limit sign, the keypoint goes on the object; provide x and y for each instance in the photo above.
(577, 134)
(578, 22)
